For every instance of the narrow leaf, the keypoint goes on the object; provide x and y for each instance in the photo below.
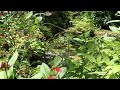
(13, 58)
(113, 21)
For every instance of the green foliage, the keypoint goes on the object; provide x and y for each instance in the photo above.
(101, 17)
(43, 45)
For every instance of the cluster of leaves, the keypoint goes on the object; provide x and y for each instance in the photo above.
(21, 31)
(73, 53)
(101, 17)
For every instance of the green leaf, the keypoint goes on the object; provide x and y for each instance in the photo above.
(62, 73)
(70, 64)
(115, 69)
(10, 72)
(77, 39)
(3, 75)
(36, 21)
(90, 57)
(105, 58)
(99, 57)
(37, 76)
(33, 28)
(39, 18)
(45, 70)
(109, 38)
(114, 29)
(28, 15)
(57, 61)
(13, 58)
(91, 46)
(86, 34)
(113, 21)
(99, 73)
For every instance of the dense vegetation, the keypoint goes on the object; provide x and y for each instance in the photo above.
(59, 45)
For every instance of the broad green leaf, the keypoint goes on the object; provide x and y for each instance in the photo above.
(113, 21)
(62, 73)
(86, 34)
(114, 29)
(57, 61)
(109, 38)
(115, 69)
(3, 75)
(90, 57)
(37, 76)
(36, 21)
(45, 70)
(28, 15)
(91, 46)
(13, 58)
(105, 58)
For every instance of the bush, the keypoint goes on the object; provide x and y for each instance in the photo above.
(101, 17)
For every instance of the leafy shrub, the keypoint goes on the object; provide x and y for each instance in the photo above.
(101, 17)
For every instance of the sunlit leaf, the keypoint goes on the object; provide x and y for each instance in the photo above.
(86, 34)
(45, 70)
(116, 69)
(33, 28)
(13, 58)
(28, 15)
(37, 76)
(114, 29)
(62, 73)
(39, 18)
(113, 21)
(99, 73)
(105, 58)
(90, 57)
(77, 39)
(56, 61)
(3, 75)
(109, 38)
